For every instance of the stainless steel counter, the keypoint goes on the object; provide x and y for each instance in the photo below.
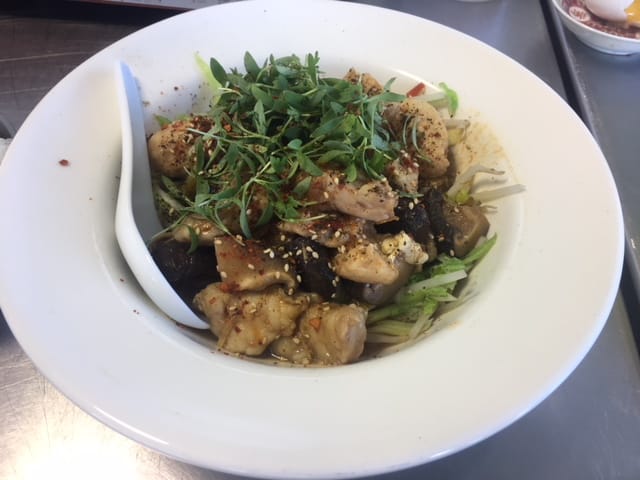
(589, 428)
(602, 91)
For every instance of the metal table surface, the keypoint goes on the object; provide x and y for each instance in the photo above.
(593, 77)
(588, 428)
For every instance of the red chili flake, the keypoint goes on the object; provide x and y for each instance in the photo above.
(315, 323)
(419, 89)
(229, 287)
(64, 162)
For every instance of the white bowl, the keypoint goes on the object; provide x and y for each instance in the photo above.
(606, 37)
(542, 295)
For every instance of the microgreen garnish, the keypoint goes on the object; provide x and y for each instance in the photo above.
(277, 126)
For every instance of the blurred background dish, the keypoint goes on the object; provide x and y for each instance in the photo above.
(615, 10)
(617, 38)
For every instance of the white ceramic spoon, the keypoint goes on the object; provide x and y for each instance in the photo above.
(136, 218)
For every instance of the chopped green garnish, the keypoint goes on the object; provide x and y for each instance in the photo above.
(280, 121)
(425, 292)
(452, 96)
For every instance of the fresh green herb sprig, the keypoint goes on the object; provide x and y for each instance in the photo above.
(277, 126)
(413, 308)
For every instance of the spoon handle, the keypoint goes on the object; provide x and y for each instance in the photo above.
(134, 155)
(135, 183)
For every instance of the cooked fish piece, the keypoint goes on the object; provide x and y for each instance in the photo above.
(365, 263)
(248, 322)
(331, 229)
(171, 148)
(415, 117)
(379, 294)
(378, 261)
(292, 349)
(335, 333)
(404, 173)
(372, 200)
(251, 266)
(205, 230)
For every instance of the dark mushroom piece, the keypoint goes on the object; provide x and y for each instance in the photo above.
(313, 266)
(412, 219)
(187, 272)
(443, 232)
(469, 224)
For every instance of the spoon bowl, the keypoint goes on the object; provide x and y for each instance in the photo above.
(136, 221)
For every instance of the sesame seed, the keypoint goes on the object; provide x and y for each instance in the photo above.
(286, 267)
(326, 195)
(299, 278)
(277, 275)
(223, 275)
(251, 266)
(315, 255)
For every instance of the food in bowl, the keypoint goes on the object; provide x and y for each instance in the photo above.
(604, 18)
(308, 216)
(616, 10)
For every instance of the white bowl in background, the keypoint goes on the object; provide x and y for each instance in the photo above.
(606, 37)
